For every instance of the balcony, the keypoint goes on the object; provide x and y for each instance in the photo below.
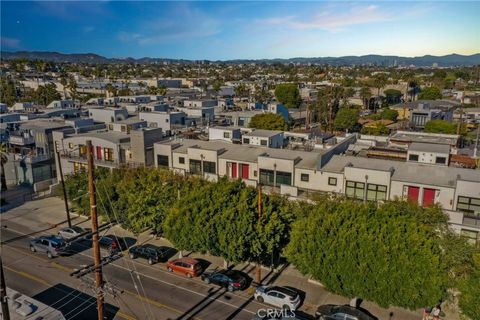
(83, 159)
(21, 140)
(31, 159)
(463, 219)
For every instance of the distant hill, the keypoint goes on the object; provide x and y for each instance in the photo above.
(424, 61)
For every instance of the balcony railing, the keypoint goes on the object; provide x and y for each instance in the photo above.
(31, 158)
(471, 220)
(21, 140)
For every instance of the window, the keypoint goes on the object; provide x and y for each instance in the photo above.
(255, 173)
(263, 142)
(83, 149)
(246, 140)
(123, 129)
(162, 160)
(470, 205)
(376, 192)
(440, 160)
(209, 167)
(70, 145)
(112, 119)
(56, 146)
(108, 154)
(166, 120)
(355, 189)
(332, 181)
(195, 166)
(110, 127)
(77, 166)
(226, 135)
(267, 177)
(181, 160)
(413, 157)
(305, 177)
(470, 236)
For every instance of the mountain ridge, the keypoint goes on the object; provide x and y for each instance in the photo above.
(386, 60)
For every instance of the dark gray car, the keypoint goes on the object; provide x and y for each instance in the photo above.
(51, 245)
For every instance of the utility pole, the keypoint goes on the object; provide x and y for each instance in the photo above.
(459, 126)
(93, 215)
(64, 190)
(258, 272)
(3, 294)
(475, 151)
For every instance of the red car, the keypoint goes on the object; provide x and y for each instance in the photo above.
(187, 266)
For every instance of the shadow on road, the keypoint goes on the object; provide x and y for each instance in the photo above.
(74, 304)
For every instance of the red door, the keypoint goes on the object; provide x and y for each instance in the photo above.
(413, 193)
(428, 197)
(245, 171)
(99, 153)
(234, 172)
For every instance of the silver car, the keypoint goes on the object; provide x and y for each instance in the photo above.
(72, 232)
(51, 245)
(282, 297)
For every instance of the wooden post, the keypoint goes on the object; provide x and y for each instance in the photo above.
(64, 190)
(94, 218)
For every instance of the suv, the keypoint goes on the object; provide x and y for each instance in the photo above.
(73, 232)
(333, 312)
(187, 266)
(51, 245)
(111, 243)
(282, 297)
(231, 279)
(150, 252)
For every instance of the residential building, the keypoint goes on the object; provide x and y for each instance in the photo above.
(229, 134)
(264, 138)
(429, 153)
(200, 103)
(61, 104)
(403, 139)
(127, 125)
(167, 121)
(107, 115)
(3, 108)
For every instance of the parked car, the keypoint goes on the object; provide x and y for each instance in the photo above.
(279, 315)
(230, 279)
(187, 266)
(111, 243)
(72, 232)
(282, 297)
(51, 245)
(333, 312)
(150, 252)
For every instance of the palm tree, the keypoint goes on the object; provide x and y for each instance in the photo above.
(379, 82)
(64, 83)
(72, 86)
(366, 94)
(3, 160)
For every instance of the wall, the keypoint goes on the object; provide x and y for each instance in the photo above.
(428, 157)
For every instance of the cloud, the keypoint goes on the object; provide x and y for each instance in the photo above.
(194, 24)
(334, 21)
(11, 43)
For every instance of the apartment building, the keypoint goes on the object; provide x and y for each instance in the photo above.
(107, 115)
(167, 121)
(112, 149)
(264, 138)
(229, 134)
(297, 173)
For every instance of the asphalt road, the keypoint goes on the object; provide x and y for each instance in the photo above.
(149, 292)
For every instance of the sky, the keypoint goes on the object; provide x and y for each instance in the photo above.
(223, 30)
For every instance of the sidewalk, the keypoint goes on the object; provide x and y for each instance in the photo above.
(45, 214)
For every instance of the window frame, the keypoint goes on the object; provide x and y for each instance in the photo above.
(469, 204)
(330, 181)
(305, 177)
(181, 160)
(414, 155)
(371, 187)
(443, 162)
(358, 189)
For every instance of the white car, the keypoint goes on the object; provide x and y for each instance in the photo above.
(71, 232)
(282, 297)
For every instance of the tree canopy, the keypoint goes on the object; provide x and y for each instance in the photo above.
(288, 94)
(440, 126)
(346, 119)
(430, 93)
(268, 121)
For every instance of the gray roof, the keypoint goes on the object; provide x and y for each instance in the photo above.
(263, 133)
(432, 104)
(249, 153)
(435, 138)
(429, 147)
(43, 124)
(131, 120)
(406, 171)
(112, 136)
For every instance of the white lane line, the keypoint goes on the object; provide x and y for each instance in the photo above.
(156, 279)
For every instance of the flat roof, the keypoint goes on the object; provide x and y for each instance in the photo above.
(131, 120)
(263, 133)
(435, 138)
(229, 128)
(112, 136)
(43, 124)
(406, 171)
(429, 147)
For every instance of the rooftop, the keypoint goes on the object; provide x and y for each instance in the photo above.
(263, 133)
(111, 136)
(436, 138)
(428, 147)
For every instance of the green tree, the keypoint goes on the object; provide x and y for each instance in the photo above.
(379, 129)
(47, 93)
(440, 126)
(288, 94)
(389, 114)
(8, 91)
(366, 94)
(470, 291)
(389, 254)
(430, 93)
(268, 121)
(346, 119)
(393, 96)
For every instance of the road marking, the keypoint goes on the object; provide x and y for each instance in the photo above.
(29, 276)
(124, 315)
(156, 279)
(156, 303)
